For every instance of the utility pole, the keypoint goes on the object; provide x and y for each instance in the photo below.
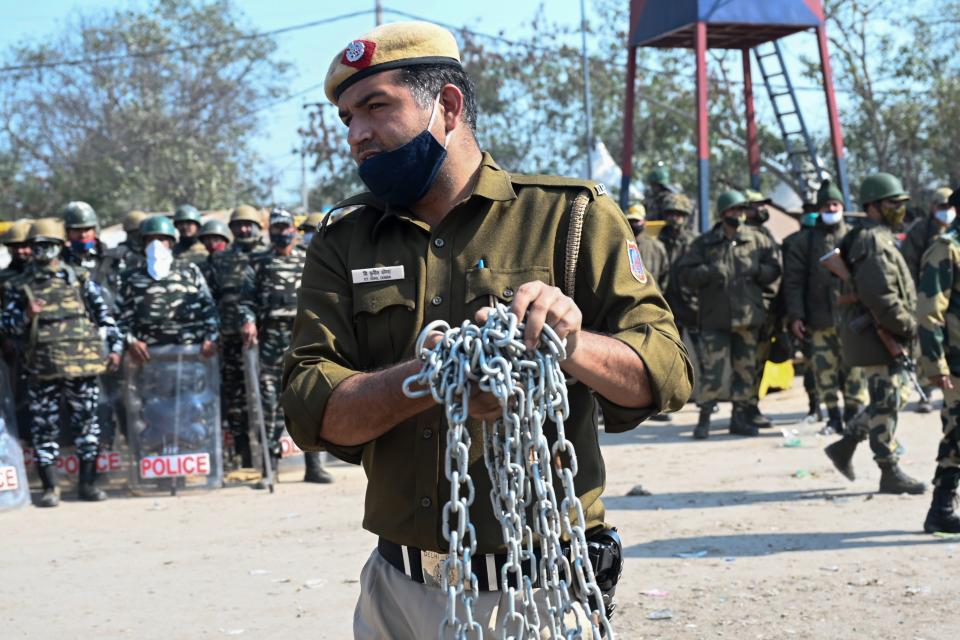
(304, 192)
(586, 89)
(378, 12)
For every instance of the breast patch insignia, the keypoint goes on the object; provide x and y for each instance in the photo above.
(636, 262)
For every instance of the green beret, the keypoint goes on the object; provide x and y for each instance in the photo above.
(390, 46)
(828, 191)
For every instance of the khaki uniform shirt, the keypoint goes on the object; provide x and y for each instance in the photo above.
(518, 226)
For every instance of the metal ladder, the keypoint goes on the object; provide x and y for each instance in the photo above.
(802, 159)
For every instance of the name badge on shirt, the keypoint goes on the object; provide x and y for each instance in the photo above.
(377, 274)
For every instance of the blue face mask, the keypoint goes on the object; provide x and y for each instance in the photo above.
(281, 240)
(79, 246)
(404, 175)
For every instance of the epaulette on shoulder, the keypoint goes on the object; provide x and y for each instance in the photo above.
(596, 189)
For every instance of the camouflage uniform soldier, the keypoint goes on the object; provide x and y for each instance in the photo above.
(129, 253)
(215, 237)
(165, 301)
(938, 314)
(84, 249)
(886, 298)
(225, 273)
(919, 237)
(810, 294)
(58, 312)
(187, 221)
(807, 220)
(730, 266)
(676, 237)
(652, 252)
(268, 308)
(16, 241)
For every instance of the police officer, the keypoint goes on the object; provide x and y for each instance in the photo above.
(58, 312)
(165, 301)
(189, 247)
(938, 314)
(885, 300)
(652, 251)
(918, 238)
(15, 239)
(731, 266)
(225, 276)
(129, 252)
(810, 294)
(437, 207)
(84, 248)
(215, 237)
(309, 227)
(267, 312)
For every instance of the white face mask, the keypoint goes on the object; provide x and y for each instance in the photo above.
(159, 259)
(831, 218)
(945, 216)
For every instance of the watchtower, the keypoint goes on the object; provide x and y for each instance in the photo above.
(745, 25)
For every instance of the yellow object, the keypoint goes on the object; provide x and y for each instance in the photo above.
(390, 46)
(652, 227)
(777, 377)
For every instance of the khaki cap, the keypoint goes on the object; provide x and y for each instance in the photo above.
(390, 46)
(942, 196)
(131, 221)
(17, 233)
(637, 212)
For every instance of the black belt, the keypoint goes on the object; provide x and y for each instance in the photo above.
(487, 567)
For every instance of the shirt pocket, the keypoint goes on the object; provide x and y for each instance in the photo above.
(384, 317)
(498, 285)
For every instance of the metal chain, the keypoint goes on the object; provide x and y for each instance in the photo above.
(530, 388)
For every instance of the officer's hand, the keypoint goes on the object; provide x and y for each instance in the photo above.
(138, 351)
(798, 329)
(112, 362)
(208, 349)
(248, 333)
(35, 307)
(543, 304)
(941, 381)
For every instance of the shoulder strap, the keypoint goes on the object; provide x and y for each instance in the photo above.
(574, 231)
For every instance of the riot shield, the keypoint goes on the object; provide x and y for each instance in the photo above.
(251, 378)
(173, 421)
(14, 491)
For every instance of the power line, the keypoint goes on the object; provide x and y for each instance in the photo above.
(187, 47)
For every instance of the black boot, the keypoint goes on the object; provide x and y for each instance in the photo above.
(834, 422)
(740, 424)
(51, 492)
(813, 407)
(756, 418)
(942, 515)
(702, 430)
(894, 480)
(841, 454)
(86, 489)
(315, 471)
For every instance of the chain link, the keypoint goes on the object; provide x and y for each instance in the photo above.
(530, 388)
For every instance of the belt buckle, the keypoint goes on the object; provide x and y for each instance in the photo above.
(431, 563)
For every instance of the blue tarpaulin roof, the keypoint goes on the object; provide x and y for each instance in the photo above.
(731, 24)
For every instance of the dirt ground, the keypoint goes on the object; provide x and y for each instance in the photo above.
(741, 538)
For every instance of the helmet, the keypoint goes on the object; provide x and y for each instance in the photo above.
(281, 216)
(246, 213)
(827, 192)
(131, 221)
(79, 215)
(47, 230)
(941, 196)
(637, 212)
(215, 228)
(729, 200)
(755, 197)
(158, 226)
(659, 175)
(17, 233)
(881, 186)
(187, 213)
(677, 203)
(311, 223)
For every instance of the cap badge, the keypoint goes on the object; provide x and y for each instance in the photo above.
(358, 54)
